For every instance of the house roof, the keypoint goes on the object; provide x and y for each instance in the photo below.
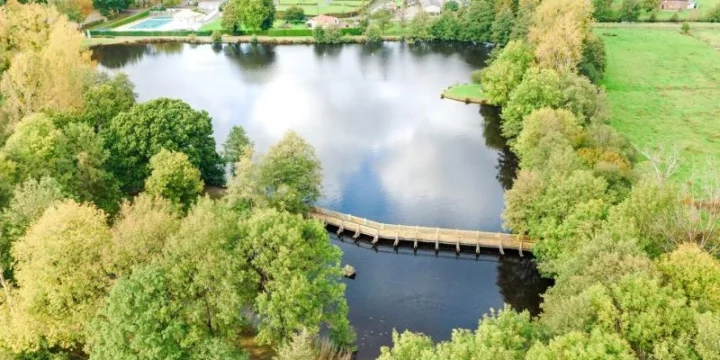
(324, 20)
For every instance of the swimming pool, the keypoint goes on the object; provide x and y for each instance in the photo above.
(153, 23)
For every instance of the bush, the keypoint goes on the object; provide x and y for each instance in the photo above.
(216, 37)
(451, 5)
(714, 14)
(685, 28)
(674, 18)
(476, 77)
(294, 14)
(373, 34)
(290, 32)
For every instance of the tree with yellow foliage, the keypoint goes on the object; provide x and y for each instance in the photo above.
(558, 31)
(48, 67)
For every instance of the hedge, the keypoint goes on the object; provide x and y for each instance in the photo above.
(289, 32)
(150, 33)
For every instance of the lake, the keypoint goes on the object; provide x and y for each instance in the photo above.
(391, 150)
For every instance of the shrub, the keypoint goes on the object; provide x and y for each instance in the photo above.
(290, 32)
(451, 5)
(373, 34)
(476, 77)
(714, 14)
(685, 28)
(216, 37)
(674, 18)
(129, 19)
(294, 14)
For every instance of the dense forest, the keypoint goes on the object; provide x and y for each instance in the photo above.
(110, 247)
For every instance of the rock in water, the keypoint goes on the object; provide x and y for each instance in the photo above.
(348, 271)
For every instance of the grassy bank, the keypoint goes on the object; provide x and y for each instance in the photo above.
(468, 93)
(664, 90)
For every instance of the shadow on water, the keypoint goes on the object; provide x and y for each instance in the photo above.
(507, 160)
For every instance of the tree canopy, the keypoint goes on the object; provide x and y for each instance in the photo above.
(173, 177)
(134, 136)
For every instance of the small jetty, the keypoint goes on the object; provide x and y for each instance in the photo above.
(459, 239)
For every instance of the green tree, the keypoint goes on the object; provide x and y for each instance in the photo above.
(543, 131)
(173, 177)
(373, 34)
(236, 144)
(133, 137)
(576, 345)
(451, 5)
(713, 15)
(696, 273)
(30, 200)
(539, 88)
(61, 275)
(446, 27)
(295, 14)
(506, 72)
(111, 6)
(140, 232)
(291, 174)
(477, 19)
(408, 346)
(382, 18)
(650, 5)
(503, 25)
(594, 58)
(629, 10)
(251, 15)
(244, 192)
(602, 10)
(210, 299)
(523, 20)
(157, 328)
(419, 28)
(108, 97)
(300, 272)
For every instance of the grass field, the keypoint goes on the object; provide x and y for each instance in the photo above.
(690, 15)
(465, 92)
(664, 91)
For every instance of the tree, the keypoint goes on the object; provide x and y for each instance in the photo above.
(503, 25)
(295, 14)
(244, 192)
(629, 10)
(419, 28)
(506, 72)
(407, 346)
(713, 15)
(108, 97)
(30, 200)
(543, 131)
(523, 19)
(446, 27)
(373, 34)
(382, 18)
(576, 345)
(251, 15)
(235, 146)
(300, 277)
(134, 136)
(539, 88)
(111, 6)
(602, 10)
(477, 19)
(594, 58)
(140, 232)
(61, 274)
(696, 273)
(451, 5)
(173, 177)
(558, 31)
(156, 329)
(291, 174)
(210, 300)
(49, 75)
(650, 5)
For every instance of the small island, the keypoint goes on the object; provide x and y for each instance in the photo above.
(467, 93)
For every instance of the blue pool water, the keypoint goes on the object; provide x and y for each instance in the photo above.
(152, 23)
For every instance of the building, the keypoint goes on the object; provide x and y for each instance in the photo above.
(677, 4)
(432, 7)
(324, 21)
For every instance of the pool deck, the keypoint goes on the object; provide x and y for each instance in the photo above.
(180, 21)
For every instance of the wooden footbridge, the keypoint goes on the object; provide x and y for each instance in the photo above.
(422, 235)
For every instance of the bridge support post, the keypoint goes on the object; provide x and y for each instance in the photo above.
(376, 238)
(397, 240)
(457, 242)
(500, 246)
(477, 244)
(437, 240)
(357, 233)
(341, 228)
(521, 244)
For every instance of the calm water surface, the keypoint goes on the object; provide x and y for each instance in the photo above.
(391, 150)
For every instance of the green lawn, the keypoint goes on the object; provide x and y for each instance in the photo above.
(690, 15)
(664, 90)
(465, 92)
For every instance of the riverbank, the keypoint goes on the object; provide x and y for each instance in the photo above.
(279, 40)
(467, 93)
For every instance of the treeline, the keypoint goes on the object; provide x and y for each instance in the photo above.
(108, 248)
(632, 254)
